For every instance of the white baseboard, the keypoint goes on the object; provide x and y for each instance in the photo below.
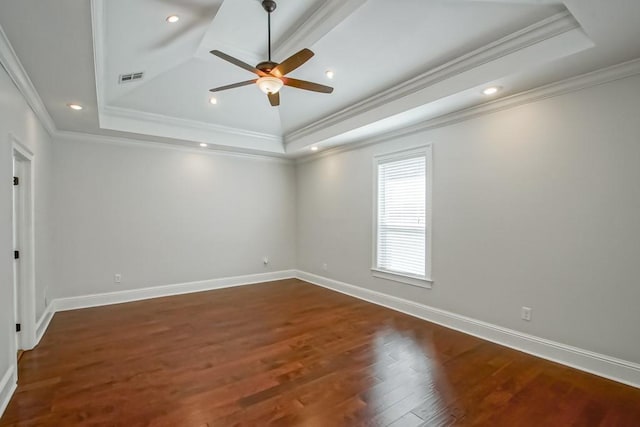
(96, 300)
(8, 386)
(43, 322)
(598, 364)
(9, 381)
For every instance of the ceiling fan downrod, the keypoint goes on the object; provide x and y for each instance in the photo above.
(269, 6)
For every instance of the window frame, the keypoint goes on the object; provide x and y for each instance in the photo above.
(376, 271)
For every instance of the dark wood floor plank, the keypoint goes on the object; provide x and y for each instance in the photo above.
(289, 353)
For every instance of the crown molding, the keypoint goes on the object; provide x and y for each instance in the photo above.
(187, 123)
(310, 29)
(562, 87)
(126, 120)
(10, 61)
(545, 29)
(132, 142)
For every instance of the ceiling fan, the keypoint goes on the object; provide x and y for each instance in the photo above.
(271, 75)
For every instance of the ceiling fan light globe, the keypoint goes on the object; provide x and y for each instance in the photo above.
(270, 84)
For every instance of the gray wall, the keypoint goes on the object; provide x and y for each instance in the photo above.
(537, 205)
(161, 216)
(18, 119)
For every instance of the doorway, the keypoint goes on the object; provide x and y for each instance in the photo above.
(23, 245)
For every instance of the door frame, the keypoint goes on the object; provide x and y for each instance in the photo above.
(26, 291)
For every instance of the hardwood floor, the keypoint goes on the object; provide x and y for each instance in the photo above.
(289, 353)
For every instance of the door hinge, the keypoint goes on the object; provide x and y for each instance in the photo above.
(16, 254)
(18, 327)
(16, 180)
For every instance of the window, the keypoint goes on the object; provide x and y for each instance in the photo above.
(403, 217)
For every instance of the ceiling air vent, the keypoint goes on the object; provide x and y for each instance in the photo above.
(132, 77)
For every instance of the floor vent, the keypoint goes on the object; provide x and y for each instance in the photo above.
(127, 78)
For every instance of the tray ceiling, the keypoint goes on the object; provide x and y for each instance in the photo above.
(395, 63)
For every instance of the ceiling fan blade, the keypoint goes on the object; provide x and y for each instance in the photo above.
(238, 63)
(274, 99)
(248, 82)
(303, 84)
(291, 63)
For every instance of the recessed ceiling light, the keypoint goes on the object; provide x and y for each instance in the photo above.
(491, 90)
(172, 19)
(203, 145)
(329, 74)
(75, 107)
(213, 101)
(314, 148)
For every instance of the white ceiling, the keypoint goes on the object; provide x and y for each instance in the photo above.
(396, 63)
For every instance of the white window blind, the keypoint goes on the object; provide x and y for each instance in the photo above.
(402, 215)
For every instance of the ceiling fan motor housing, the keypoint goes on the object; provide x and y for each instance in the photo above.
(269, 5)
(266, 66)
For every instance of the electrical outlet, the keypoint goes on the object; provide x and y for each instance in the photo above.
(117, 278)
(325, 267)
(526, 314)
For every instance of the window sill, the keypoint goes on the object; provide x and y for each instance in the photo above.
(397, 277)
